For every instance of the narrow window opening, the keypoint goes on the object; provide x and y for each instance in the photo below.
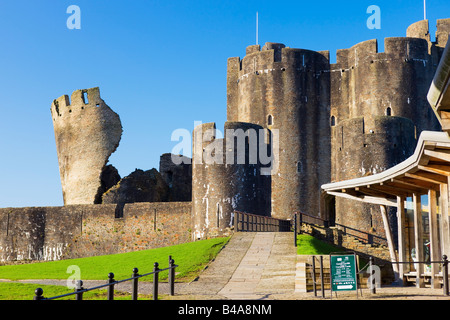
(270, 120)
(389, 111)
(85, 98)
(299, 167)
(333, 121)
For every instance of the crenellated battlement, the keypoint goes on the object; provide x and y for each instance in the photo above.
(401, 49)
(79, 100)
(442, 33)
(276, 57)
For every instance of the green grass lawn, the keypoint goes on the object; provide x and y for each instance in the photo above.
(190, 258)
(308, 245)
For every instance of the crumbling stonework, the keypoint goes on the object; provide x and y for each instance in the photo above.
(176, 170)
(139, 186)
(87, 132)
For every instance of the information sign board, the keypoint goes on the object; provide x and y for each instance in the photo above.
(343, 272)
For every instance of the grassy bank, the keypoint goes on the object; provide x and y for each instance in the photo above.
(191, 257)
(308, 245)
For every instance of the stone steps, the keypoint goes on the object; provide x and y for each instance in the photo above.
(304, 278)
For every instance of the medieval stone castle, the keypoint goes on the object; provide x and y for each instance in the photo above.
(321, 123)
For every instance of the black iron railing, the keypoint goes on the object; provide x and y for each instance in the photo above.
(366, 237)
(79, 291)
(246, 222)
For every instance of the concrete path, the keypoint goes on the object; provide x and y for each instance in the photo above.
(254, 265)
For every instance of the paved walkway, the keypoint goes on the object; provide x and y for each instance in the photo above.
(254, 265)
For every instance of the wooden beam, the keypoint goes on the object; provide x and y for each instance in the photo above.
(363, 198)
(420, 183)
(407, 188)
(444, 207)
(390, 190)
(418, 239)
(401, 224)
(427, 176)
(420, 189)
(390, 240)
(435, 168)
(372, 192)
(435, 252)
(440, 154)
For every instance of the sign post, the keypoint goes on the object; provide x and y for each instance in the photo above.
(343, 272)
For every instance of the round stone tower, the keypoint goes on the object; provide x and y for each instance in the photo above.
(287, 90)
(227, 176)
(378, 109)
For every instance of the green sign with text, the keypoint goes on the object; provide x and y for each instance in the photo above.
(343, 272)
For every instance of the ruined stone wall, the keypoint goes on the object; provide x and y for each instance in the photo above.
(75, 231)
(176, 170)
(87, 132)
(220, 183)
(287, 90)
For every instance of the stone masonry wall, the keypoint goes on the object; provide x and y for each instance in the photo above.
(54, 233)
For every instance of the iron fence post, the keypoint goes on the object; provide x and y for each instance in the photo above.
(314, 275)
(445, 274)
(110, 293)
(300, 223)
(38, 294)
(79, 295)
(172, 276)
(371, 276)
(322, 283)
(295, 229)
(155, 281)
(134, 293)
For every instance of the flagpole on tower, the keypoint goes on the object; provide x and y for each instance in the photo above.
(256, 27)
(424, 9)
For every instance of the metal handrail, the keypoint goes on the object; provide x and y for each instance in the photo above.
(111, 283)
(259, 223)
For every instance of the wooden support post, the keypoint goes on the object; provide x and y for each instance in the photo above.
(435, 252)
(418, 239)
(401, 222)
(444, 207)
(390, 240)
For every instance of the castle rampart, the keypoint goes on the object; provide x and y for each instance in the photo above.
(74, 231)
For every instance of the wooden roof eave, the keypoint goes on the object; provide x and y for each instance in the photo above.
(411, 176)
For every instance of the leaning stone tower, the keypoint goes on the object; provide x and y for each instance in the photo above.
(87, 132)
(286, 89)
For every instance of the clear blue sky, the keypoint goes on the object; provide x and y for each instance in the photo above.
(161, 65)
